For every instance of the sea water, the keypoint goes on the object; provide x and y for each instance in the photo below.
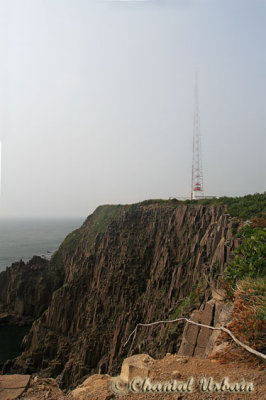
(20, 239)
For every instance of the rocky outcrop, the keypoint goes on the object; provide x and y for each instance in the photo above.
(198, 341)
(26, 289)
(12, 386)
(125, 265)
(137, 365)
(43, 389)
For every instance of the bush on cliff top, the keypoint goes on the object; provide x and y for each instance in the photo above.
(250, 206)
(248, 323)
(250, 256)
(246, 280)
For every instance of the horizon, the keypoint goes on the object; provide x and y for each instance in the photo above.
(84, 217)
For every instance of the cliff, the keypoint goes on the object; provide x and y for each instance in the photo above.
(26, 289)
(125, 265)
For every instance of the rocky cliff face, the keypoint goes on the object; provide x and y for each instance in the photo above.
(26, 289)
(125, 265)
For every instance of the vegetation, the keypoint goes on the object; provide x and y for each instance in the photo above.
(250, 206)
(250, 256)
(190, 303)
(72, 240)
(159, 201)
(101, 219)
(248, 322)
(246, 207)
(246, 283)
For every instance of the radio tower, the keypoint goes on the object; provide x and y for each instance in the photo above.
(197, 175)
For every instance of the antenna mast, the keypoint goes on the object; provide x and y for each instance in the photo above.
(197, 175)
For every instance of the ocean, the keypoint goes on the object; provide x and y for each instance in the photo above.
(23, 238)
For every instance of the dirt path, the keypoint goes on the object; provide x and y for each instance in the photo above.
(170, 368)
(182, 369)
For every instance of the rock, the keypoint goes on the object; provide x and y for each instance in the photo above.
(12, 386)
(93, 388)
(199, 341)
(218, 294)
(126, 264)
(176, 374)
(182, 359)
(137, 365)
(26, 289)
(4, 318)
(204, 333)
(190, 335)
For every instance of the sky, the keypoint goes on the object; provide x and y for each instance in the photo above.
(97, 98)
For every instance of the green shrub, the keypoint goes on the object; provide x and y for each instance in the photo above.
(250, 256)
(246, 207)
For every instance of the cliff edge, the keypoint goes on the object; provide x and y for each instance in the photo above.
(125, 265)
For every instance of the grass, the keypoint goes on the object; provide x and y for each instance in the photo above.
(101, 219)
(250, 206)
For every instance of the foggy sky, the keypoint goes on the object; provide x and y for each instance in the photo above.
(96, 101)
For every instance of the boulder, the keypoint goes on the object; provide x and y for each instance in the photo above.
(137, 365)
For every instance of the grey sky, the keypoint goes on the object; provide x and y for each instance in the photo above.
(96, 101)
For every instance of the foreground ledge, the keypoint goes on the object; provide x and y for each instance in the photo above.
(12, 386)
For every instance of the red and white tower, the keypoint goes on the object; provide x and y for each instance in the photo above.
(197, 175)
